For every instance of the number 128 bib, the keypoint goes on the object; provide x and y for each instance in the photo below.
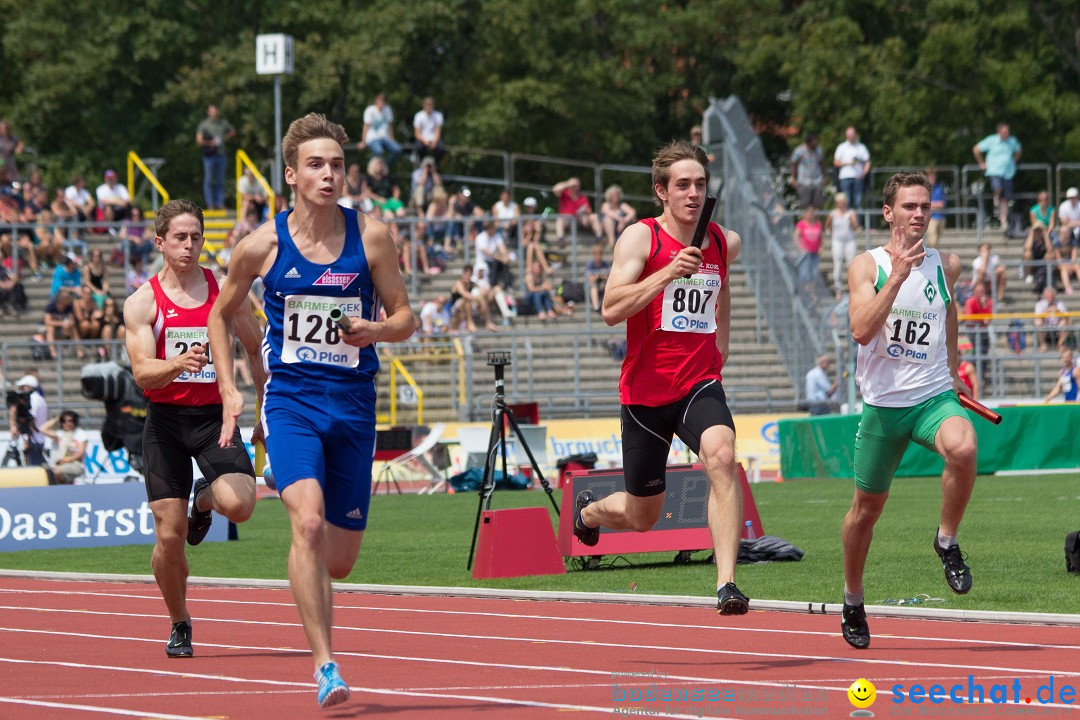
(310, 337)
(690, 304)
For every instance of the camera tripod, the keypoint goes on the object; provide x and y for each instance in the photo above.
(501, 417)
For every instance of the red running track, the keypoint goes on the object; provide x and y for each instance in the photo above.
(94, 649)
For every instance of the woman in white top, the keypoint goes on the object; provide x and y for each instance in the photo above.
(506, 212)
(615, 214)
(842, 224)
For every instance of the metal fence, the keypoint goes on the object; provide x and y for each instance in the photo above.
(795, 318)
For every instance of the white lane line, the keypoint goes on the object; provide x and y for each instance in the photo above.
(556, 618)
(96, 709)
(356, 689)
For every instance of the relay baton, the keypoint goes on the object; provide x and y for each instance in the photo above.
(703, 222)
(340, 319)
(979, 409)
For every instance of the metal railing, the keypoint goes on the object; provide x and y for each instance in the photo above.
(133, 162)
(242, 161)
(753, 205)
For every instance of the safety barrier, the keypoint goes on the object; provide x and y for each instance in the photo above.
(133, 162)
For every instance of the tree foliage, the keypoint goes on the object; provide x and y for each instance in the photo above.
(609, 80)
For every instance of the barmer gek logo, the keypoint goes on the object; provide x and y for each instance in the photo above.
(679, 322)
(306, 353)
(929, 292)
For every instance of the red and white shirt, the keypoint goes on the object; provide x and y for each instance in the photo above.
(176, 330)
(671, 343)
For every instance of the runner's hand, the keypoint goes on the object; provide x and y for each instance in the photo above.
(961, 387)
(232, 407)
(361, 333)
(904, 259)
(687, 262)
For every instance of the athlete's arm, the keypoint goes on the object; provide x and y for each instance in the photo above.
(723, 300)
(1053, 393)
(953, 268)
(868, 309)
(245, 264)
(150, 372)
(382, 259)
(625, 296)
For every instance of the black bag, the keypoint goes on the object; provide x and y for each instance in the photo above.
(572, 291)
(1072, 552)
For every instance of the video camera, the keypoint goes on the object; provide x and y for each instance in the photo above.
(24, 418)
(125, 407)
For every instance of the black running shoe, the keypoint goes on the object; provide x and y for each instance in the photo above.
(587, 535)
(198, 522)
(180, 640)
(729, 601)
(853, 624)
(957, 573)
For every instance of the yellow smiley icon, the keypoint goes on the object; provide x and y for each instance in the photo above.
(862, 693)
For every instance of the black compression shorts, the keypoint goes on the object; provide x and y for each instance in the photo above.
(173, 435)
(647, 432)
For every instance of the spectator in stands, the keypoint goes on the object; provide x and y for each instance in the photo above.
(820, 390)
(67, 275)
(63, 210)
(140, 241)
(1053, 309)
(439, 217)
(1068, 380)
(1035, 249)
(853, 159)
(80, 199)
(596, 273)
(136, 274)
(697, 138)
(463, 207)
(59, 321)
(26, 418)
(986, 266)
(427, 130)
(32, 188)
(485, 292)
(491, 249)
(808, 174)
(980, 303)
(355, 195)
(532, 234)
(842, 224)
(1043, 212)
(967, 372)
(378, 133)
(88, 316)
(1068, 217)
(7, 256)
(615, 214)
(211, 136)
(424, 181)
(807, 239)
(380, 187)
(539, 290)
(12, 293)
(10, 146)
(462, 301)
(997, 155)
(938, 195)
(96, 277)
(112, 322)
(435, 316)
(572, 202)
(252, 195)
(113, 199)
(69, 447)
(506, 213)
(48, 239)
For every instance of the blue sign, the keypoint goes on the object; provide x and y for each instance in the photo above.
(66, 516)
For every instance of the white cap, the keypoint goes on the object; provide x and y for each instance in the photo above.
(1072, 192)
(530, 201)
(28, 380)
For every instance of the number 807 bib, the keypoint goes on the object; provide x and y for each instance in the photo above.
(690, 304)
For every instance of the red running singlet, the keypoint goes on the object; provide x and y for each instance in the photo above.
(176, 329)
(671, 343)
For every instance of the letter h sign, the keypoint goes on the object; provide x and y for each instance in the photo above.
(273, 54)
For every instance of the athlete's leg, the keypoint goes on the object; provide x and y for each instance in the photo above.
(857, 533)
(717, 454)
(342, 549)
(955, 441)
(309, 578)
(623, 511)
(231, 495)
(168, 558)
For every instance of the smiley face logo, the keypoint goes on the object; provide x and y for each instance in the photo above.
(862, 693)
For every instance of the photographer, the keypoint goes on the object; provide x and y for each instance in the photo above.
(69, 448)
(27, 412)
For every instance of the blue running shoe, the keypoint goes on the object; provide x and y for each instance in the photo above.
(332, 689)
